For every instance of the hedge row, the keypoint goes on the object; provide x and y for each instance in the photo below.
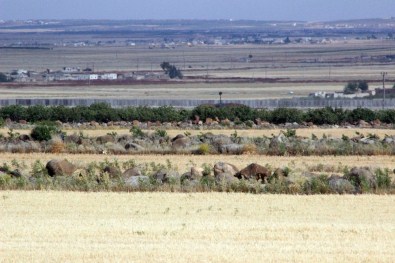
(101, 112)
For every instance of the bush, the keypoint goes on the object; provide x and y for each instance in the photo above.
(354, 86)
(283, 115)
(204, 148)
(43, 132)
(383, 179)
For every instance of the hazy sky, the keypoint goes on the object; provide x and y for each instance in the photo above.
(308, 10)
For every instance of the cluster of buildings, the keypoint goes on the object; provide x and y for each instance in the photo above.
(78, 74)
(65, 74)
(378, 92)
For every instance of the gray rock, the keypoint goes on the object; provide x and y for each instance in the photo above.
(133, 147)
(227, 168)
(137, 181)
(360, 176)
(105, 139)
(181, 143)
(340, 185)
(231, 148)
(60, 167)
(166, 176)
(131, 172)
(112, 171)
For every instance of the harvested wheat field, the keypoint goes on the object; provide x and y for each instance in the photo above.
(306, 132)
(209, 227)
(183, 162)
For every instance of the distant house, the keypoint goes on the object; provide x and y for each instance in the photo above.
(71, 70)
(93, 76)
(109, 76)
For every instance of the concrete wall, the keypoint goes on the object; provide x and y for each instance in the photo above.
(268, 103)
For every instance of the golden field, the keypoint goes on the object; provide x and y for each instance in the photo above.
(307, 132)
(210, 227)
(185, 162)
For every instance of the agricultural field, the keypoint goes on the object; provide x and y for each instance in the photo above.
(212, 227)
(195, 188)
(282, 71)
(305, 132)
(185, 162)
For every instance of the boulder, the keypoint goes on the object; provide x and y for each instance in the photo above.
(133, 146)
(137, 181)
(361, 175)
(254, 171)
(225, 168)
(340, 185)
(166, 176)
(179, 136)
(124, 138)
(105, 139)
(233, 148)
(25, 137)
(74, 138)
(195, 174)
(277, 140)
(364, 124)
(131, 172)
(225, 178)
(60, 167)
(279, 174)
(209, 121)
(112, 171)
(181, 143)
(220, 139)
(225, 172)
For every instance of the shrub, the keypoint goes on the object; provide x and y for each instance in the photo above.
(290, 133)
(204, 148)
(136, 132)
(43, 132)
(57, 146)
(249, 148)
(383, 179)
(161, 133)
(283, 115)
(317, 185)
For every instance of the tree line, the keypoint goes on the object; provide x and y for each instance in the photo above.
(101, 112)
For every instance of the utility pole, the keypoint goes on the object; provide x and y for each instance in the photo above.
(383, 74)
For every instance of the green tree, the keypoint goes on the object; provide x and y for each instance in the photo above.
(3, 77)
(43, 132)
(355, 86)
(171, 70)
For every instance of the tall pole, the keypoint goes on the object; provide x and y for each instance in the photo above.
(383, 74)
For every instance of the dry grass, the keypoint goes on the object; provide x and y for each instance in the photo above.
(211, 227)
(319, 132)
(183, 162)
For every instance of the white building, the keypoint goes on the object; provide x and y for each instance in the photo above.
(70, 70)
(93, 76)
(109, 76)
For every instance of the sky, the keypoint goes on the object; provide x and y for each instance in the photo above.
(303, 10)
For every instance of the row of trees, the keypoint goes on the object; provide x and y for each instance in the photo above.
(239, 113)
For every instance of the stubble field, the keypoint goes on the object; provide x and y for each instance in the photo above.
(209, 227)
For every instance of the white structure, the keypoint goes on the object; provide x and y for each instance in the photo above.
(70, 70)
(93, 77)
(109, 76)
